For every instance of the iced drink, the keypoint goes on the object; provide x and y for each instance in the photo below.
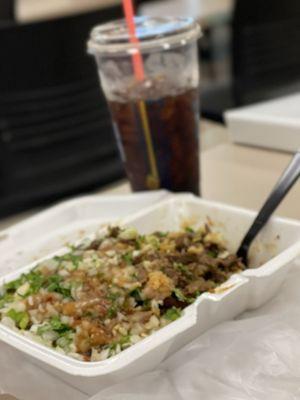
(156, 120)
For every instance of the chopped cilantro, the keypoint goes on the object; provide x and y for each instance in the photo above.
(153, 241)
(58, 326)
(74, 259)
(6, 298)
(172, 314)
(139, 242)
(212, 253)
(121, 342)
(63, 330)
(136, 294)
(14, 285)
(183, 269)
(180, 296)
(66, 292)
(43, 329)
(113, 296)
(127, 258)
(124, 340)
(24, 321)
(161, 234)
(54, 279)
(35, 279)
(189, 229)
(53, 284)
(180, 267)
(21, 318)
(112, 311)
(72, 247)
(146, 304)
(65, 340)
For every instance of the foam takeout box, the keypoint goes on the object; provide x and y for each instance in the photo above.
(272, 253)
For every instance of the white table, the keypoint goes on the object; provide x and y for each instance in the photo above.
(32, 10)
(238, 175)
(203, 10)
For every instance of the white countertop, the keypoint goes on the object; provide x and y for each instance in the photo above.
(31, 10)
(233, 174)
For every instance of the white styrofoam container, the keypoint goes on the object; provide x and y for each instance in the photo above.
(274, 250)
(66, 222)
(272, 124)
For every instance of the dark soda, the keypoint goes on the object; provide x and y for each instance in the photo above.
(170, 158)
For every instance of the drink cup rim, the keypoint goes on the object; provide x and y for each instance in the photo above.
(153, 34)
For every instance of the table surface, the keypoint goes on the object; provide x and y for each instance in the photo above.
(233, 174)
(30, 10)
(206, 11)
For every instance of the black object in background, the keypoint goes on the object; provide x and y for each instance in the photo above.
(6, 10)
(55, 130)
(265, 56)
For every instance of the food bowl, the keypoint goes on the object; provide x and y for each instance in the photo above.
(270, 258)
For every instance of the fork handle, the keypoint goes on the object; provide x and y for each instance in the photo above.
(283, 186)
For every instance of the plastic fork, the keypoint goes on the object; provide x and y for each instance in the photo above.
(283, 186)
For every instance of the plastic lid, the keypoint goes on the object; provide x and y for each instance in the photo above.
(152, 33)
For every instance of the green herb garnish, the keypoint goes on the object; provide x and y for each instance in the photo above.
(21, 318)
(14, 285)
(212, 253)
(113, 296)
(162, 234)
(35, 279)
(127, 258)
(112, 311)
(124, 340)
(139, 241)
(189, 229)
(6, 298)
(58, 326)
(136, 294)
(74, 259)
(179, 295)
(172, 314)
(65, 340)
(53, 284)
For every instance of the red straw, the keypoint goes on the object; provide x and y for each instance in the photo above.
(136, 58)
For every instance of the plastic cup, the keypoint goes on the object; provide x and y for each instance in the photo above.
(156, 118)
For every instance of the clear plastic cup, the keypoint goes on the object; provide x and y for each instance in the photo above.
(156, 116)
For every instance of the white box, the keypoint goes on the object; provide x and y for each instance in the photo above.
(273, 124)
(274, 250)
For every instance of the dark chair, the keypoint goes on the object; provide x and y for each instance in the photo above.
(55, 130)
(6, 10)
(265, 56)
(266, 49)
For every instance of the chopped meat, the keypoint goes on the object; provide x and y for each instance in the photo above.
(77, 309)
(200, 285)
(158, 287)
(142, 274)
(98, 299)
(141, 316)
(90, 335)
